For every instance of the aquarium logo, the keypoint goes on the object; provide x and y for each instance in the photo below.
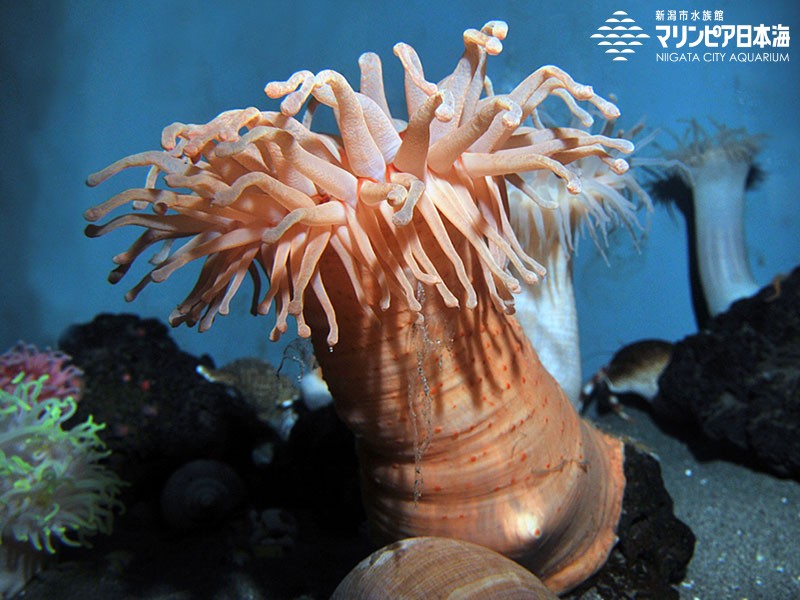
(718, 42)
(620, 36)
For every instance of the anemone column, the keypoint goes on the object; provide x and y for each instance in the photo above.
(462, 433)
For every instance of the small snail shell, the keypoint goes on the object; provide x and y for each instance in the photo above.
(199, 493)
(430, 568)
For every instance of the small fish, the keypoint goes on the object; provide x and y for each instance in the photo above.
(634, 369)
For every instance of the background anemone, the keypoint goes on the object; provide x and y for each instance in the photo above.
(52, 488)
(711, 170)
(549, 220)
(62, 378)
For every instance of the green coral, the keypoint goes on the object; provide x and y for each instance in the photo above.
(51, 484)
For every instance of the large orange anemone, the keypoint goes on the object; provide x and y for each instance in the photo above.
(390, 244)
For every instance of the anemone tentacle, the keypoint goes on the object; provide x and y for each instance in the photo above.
(267, 178)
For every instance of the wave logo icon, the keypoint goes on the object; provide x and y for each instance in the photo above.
(620, 36)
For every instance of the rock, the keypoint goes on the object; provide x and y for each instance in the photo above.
(736, 384)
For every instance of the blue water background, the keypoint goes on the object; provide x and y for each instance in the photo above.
(85, 83)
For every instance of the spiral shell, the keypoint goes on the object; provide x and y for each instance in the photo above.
(432, 567)
(199, 493)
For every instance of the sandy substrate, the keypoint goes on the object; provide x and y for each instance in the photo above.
(747, 523)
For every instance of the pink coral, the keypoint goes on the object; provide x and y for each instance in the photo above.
(63, 379)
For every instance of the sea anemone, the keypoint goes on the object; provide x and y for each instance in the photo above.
(280, 195)
(390, 245)
(717, 167)
(549, 220)
(63, 379)
(52, 487)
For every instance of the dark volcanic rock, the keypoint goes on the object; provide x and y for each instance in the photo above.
(737, 382)
(654, 546)
(159, 412)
